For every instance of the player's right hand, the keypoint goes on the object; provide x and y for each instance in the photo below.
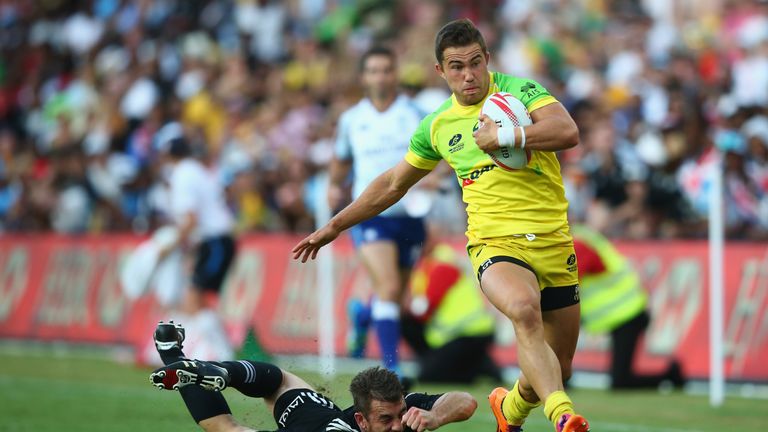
(307, 248)
(419, 420)
(486, 135)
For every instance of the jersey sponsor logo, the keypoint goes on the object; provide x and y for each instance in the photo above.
(571, 262)
(454, 140)
(530, 89)
(474, 175)
(298, 400)
(455, 144)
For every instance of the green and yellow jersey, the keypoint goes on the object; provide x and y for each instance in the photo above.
(499, 203)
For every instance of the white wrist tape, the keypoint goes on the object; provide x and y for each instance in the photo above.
(505, 137)
(522, 137)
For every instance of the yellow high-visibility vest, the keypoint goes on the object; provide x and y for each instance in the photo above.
(614, 296)
(462, 311)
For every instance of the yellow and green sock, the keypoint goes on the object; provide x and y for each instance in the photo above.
(557, 404)
(515, 408)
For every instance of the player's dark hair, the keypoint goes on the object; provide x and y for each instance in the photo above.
(457, 33)
(374, 383)
(376, 51)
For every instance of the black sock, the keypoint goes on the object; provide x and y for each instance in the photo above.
(252, 378)
(202, 404)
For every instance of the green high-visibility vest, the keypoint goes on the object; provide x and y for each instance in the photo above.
(462, 312)
(614, 296)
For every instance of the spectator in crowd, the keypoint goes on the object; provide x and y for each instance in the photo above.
(651, 84)
(204, 224)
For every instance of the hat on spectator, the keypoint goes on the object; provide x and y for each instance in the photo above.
(753, 32)
(96, 142)
(727, 106)
(756, 127)
(139, 99)
(730, 141)
(189, 84)
(111, 60)
(166, 134)
(650, 148)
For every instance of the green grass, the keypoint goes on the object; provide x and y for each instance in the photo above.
(39, 393)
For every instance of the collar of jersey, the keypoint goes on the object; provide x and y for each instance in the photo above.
(473, 109)
(369, 104)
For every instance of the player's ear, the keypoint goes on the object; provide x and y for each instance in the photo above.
(487, 57)
(361, 421)
(439, 70)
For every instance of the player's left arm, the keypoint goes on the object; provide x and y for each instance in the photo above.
(553, 129)
(451, 407)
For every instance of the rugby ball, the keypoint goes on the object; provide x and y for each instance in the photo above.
(508, 112)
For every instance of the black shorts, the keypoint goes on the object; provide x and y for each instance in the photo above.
(304, 410)
(214, 257)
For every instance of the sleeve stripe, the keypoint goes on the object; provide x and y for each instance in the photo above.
(540, 103)
(420, 162)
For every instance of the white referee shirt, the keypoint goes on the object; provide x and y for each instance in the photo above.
(376, 141)
(197, 190)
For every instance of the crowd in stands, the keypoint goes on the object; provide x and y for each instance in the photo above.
(661, 90)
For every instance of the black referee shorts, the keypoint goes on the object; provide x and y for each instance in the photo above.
(213, 260)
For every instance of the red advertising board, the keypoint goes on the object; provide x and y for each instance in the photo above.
(66, 288)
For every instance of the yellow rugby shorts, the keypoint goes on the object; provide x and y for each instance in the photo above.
(550, 257)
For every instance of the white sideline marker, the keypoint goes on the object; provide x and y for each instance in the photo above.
(325, 293)
(716, 240)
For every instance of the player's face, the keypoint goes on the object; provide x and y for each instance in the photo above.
(465, 69)
(379, 76)
(383, 417)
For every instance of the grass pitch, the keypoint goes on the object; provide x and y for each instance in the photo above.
(42, 393)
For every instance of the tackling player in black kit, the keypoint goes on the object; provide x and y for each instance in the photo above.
(379, 403)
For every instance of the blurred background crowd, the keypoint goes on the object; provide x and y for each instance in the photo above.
(659, 89)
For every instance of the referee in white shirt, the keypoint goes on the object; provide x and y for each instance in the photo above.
(372, 137)
(199, 210)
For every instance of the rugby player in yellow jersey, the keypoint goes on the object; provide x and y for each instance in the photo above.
(518, 236)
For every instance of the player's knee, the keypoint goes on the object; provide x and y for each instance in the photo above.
(221, 423)
(525, 313)
(389, 291)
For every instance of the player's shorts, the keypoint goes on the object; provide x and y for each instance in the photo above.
(214, 257)
(406, 232)
(550, 257)
(304, 410)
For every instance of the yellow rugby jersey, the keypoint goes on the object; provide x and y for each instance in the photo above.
(499, 203)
